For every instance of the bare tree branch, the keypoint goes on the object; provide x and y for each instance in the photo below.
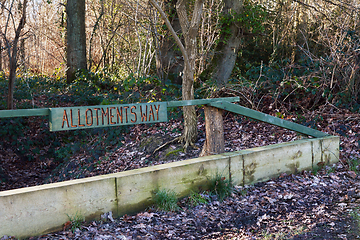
(173, 33)
(312, 7)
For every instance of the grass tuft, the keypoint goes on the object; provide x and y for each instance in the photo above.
(196, 199)
(221, 186)
(76, 221)
(356, 218)
(166, 200)
(354, 165)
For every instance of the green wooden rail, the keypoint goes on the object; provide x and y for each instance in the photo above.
(268, 118)
(46, 111)
(25, 112)
(222, 103)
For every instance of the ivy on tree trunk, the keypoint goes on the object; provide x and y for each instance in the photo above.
(227, 50)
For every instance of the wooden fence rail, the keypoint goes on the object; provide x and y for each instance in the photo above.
(221, 103)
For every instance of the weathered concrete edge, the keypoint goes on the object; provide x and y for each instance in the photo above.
(15, 204)
(38, 210)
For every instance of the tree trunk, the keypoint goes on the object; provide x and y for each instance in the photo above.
(13, 58)
(190, 33)
(294, 35)
(1, 57)
(22, 56)
(12, 77)
(214, 143)
(190, 118)
(168, 61)
(76, 37)
(96, 25)
(227, 50)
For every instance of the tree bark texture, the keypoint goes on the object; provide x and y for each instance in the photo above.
(190, 33)
(189, 52)
(1, 57)
(214, 143)
(227, 50)
(22, 56)
(13, 57)
(169, 63)
(76, 37)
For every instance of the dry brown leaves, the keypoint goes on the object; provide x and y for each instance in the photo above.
(304, 206)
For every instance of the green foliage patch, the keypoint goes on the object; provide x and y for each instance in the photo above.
(196, 199)
(220, 186)
(166, 200)
(30, 137)
(354, 165)
(251, 19)
(76, 221)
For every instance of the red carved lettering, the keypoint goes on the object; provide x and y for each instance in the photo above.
(106, 114)
(151, 113)
(157, 111)
(71, 119)
(111, 116)
(143, 115)
(133, 108)
(119, 115)
(80, 125)
(65, 118)
(97, 116)
(126, 115)
(87, 117)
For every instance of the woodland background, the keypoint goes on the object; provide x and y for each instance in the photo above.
(286, 50)
(296, 60)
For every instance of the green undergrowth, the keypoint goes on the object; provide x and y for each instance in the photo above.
(174, 152)
(166, 200)
(293, 232)
(220, 186)
(266, 80)
(30, 138)
(196, 199)
(76, 221)
(89, 88)
(92, 144)
(354, 165)
(355, 227)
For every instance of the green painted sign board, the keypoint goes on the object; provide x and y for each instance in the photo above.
(71, 118)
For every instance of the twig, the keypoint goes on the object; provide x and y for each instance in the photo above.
(178, 139)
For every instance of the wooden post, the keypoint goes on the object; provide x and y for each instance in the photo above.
(214, 143)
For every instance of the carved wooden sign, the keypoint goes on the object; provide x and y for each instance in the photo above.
(70, 118)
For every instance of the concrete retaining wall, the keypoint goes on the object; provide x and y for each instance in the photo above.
(41, 209)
